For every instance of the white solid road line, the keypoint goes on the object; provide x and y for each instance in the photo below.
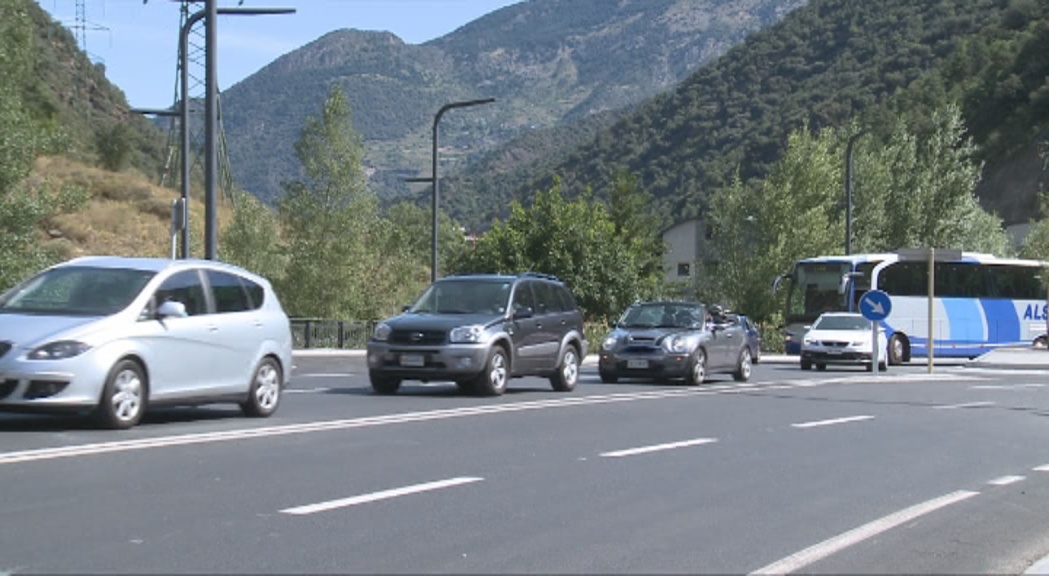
(345, 424)
(831, 422)
(327, 375)
(1042, 468)
(824, 549)
(1005, 480)
(381, 495)
(1004, 386)
(657, 447)
(306, 390)
(963, 405)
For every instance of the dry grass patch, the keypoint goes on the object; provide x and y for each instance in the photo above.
(125, 215)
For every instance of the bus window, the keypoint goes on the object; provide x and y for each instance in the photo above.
(905, 279)
(1015, 283)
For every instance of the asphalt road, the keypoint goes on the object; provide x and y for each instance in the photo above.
(818, 472)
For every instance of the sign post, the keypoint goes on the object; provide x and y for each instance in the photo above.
(930, 255)
(875, 306)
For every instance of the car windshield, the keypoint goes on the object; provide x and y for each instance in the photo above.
(75, 291)
(660, 315)
(462, 296)
(842, 323)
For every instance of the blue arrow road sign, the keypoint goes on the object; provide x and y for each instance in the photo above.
(875, 305)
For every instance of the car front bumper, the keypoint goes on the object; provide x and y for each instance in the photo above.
(839, 356)
(425, 363)
(658, 365)
(73, 384)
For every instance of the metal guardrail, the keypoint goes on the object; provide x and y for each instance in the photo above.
(309, 333)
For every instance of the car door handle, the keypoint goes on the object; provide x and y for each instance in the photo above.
(258, 323)
(213, 328)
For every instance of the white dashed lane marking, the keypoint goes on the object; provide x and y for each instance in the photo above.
(376, 496)
(801, 559)
(657, 447)
(963, 405)
(831, 422)
(1005, 480)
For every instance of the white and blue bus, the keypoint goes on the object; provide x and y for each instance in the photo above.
(980, 301)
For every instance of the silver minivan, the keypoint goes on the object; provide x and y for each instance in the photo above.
(114, 335)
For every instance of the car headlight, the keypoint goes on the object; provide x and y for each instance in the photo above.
(807, 340)
(382, 332)
(466, 334)
(609, 343)
(59, 350)
(859, 343)
(676, 344)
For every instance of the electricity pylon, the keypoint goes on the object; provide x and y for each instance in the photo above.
(196, 91)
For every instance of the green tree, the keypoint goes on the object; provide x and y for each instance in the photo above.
(636, 226)
(24, 206)
(252, 239)
(913, 190)
(918, 190)
(575, 241)
(114, 144)
(760, 230)
(329, 219)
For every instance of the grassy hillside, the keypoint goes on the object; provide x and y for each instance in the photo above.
(124, 214)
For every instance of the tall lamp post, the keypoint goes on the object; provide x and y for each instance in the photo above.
(433, 179)
(211, 119)
(848, 190)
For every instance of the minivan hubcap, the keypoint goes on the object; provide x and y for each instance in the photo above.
(745, 365)
(267, 391)
(127, 395)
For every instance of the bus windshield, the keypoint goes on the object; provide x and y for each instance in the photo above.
(814, 290)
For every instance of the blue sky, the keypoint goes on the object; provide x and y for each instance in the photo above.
(138, 41)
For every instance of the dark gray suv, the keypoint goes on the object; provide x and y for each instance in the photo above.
(479, 331)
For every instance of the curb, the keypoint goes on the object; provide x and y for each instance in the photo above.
(1039, 567)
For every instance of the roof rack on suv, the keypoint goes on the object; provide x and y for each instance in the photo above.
(541, 275)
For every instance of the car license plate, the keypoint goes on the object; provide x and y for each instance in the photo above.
(415, 360)
(637, 363)
(834, 352)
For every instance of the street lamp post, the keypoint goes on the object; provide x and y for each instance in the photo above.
(433, 179)
(848, 190)
(211, 159)
(211, 116)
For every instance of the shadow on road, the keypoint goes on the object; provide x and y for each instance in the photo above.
(13, 423)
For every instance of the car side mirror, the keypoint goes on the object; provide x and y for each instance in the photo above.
(406, 307)
(171, 309)
(522, 312)
(807, 327)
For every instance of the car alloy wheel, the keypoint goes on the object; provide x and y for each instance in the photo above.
(697, 369)
(743, 367)
(264, 393)
(567, 375)
(123, 397)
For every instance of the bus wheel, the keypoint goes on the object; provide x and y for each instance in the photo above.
(897, 350)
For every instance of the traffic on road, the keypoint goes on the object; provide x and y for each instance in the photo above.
(837, 471)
